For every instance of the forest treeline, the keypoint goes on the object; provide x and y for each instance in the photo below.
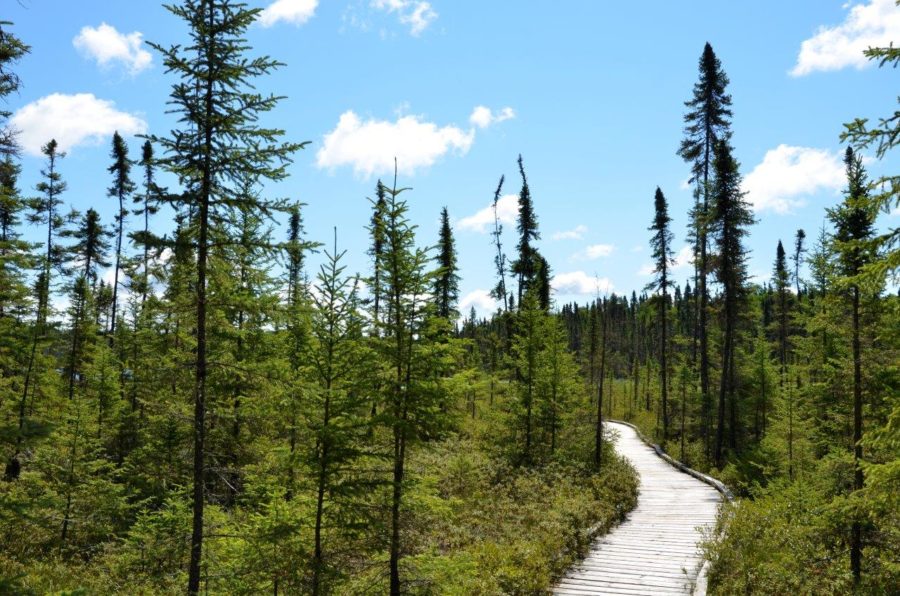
(219, 418)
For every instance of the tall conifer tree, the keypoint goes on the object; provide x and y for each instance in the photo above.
(797, 258)
(661, 241)
(219, 150)
(148, 202)
(44, 211)
(854, 223)
(121, 188)
(525, 266)
(707, 121)
(500, 291)
(446, 286)
(781, 282)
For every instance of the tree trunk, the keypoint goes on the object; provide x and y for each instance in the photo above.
(199, 470)
(663, 372)
(856, 529)
(399, 454)
(599, 430)
(723, 391)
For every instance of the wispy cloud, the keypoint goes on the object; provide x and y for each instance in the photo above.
(72, 120)
(106, 46)
(576, 233)
(415, 14)
(481, 220)
(593, 252)
(832, 48)
(580, 283)
(787, 174)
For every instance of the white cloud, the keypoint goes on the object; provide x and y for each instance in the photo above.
(574, 234)
(107, 46)
(579, 282)
(647, 269)
(295, 12)
(593, 252)
(482, 300)
(507, 212)
(417, 14)
(895, 212)
(370, 146)
(685, 184)
(637, 248)
(788, 173)
(684, 257)
(875, 24)
(72, 120)
(482, 116)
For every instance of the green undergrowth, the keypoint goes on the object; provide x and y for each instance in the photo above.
(475, 524)
(792, 538)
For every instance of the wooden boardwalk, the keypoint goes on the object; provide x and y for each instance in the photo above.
(654, 551)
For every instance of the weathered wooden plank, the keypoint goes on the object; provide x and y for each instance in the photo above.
(656, 550)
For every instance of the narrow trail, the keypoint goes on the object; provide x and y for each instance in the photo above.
(655, 550)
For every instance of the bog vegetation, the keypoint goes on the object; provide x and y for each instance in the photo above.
(237, 423)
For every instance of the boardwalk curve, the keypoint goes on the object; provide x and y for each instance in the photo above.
(655, 550)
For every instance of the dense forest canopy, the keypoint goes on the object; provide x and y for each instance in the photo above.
(222, 415)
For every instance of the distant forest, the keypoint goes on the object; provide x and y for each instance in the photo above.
(221, 419)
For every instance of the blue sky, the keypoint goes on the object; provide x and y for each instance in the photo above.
(590, 93)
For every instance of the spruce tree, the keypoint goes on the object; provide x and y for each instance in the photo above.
(91, 246)
(446, 286)
(44, 211)
(12, 49)
(297, 315)
(707, 122)
(602, 312)
(661, 242)
(854, 223)
(883, 135)
(732, 218)
(219, 149)
(121, 188)
(525, 266)
(410, 400)
(542, 282)
(499, 292)
(781, 282)
(797, 258)
(376, 251)
(13, 261)
(15, 253)
(526, 349)
(89, 253)
(335, 414)
(148, 202)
